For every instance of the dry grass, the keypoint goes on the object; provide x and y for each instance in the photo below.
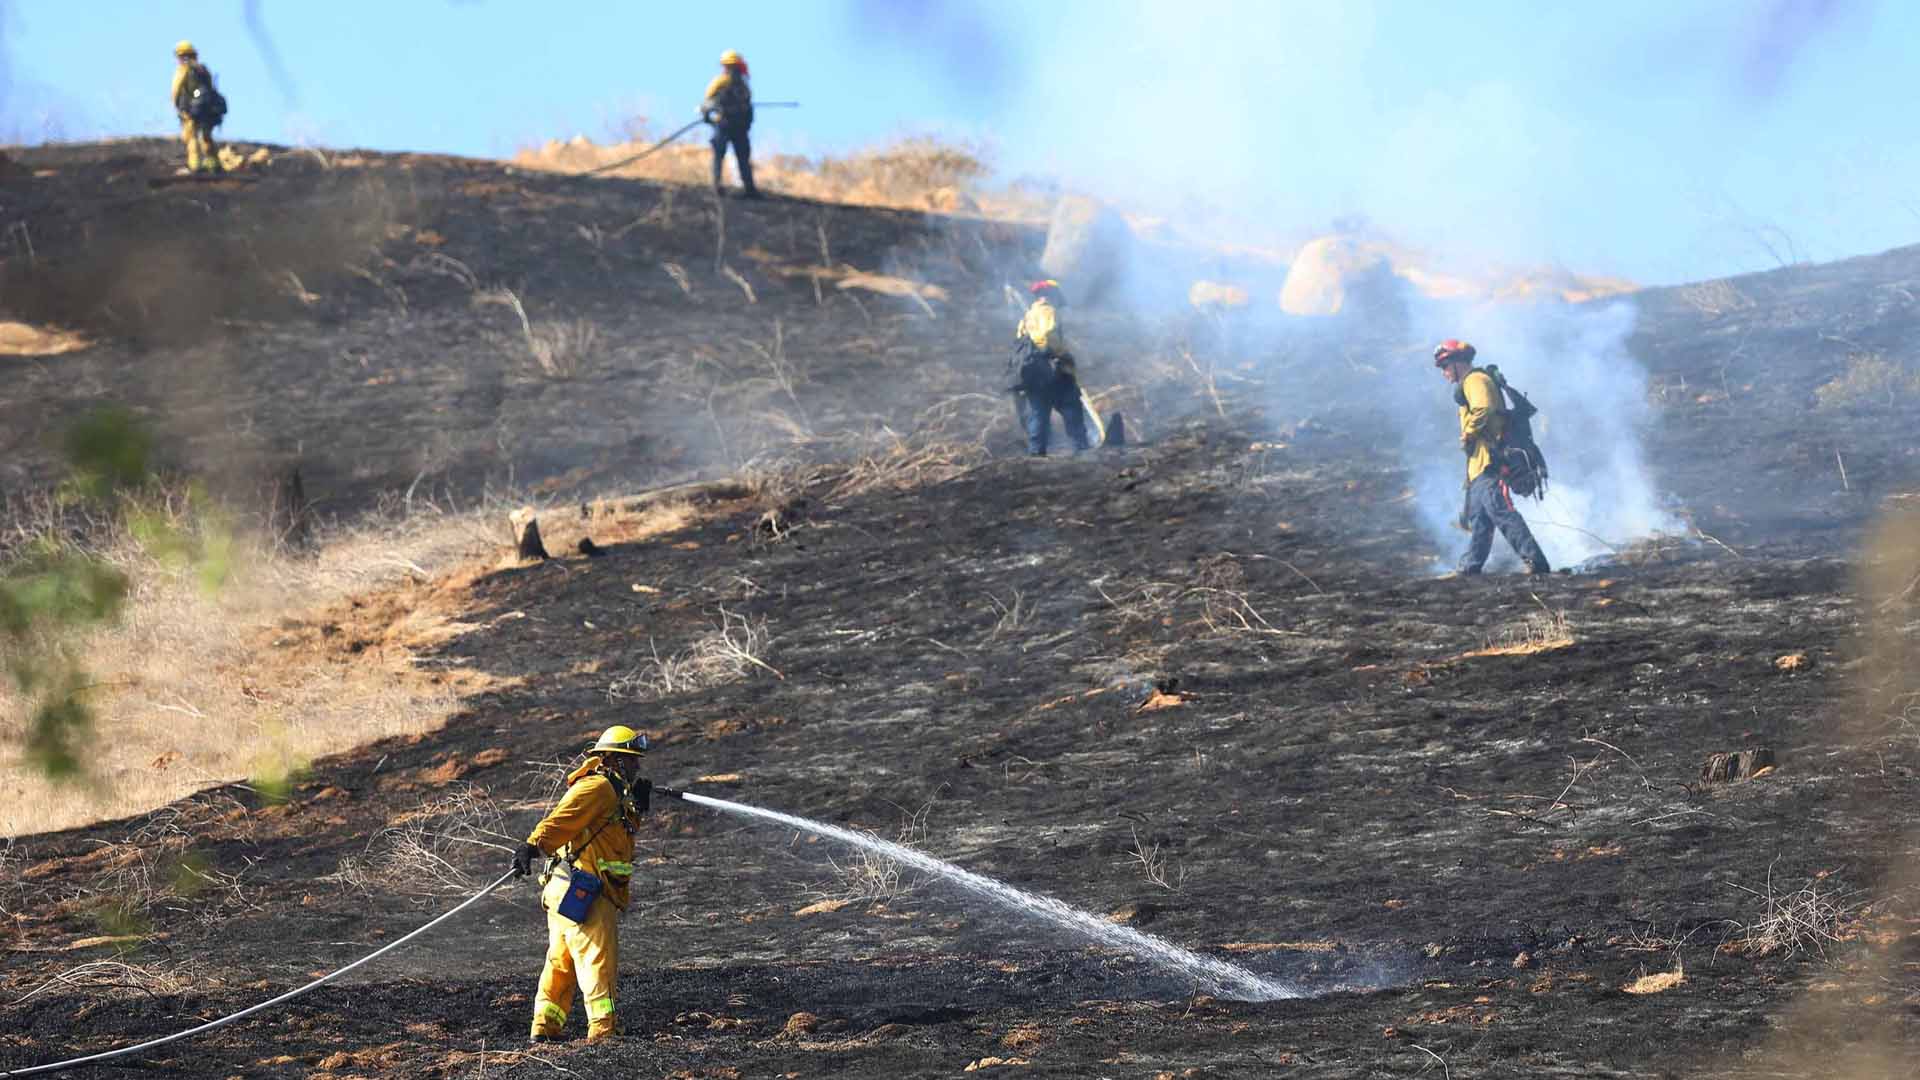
(430, 852)
(916, 172)
(1015, 614)
(118, 979)
(20, 339)
(866, 875)
(13, 859)
(207, 687)
(1870, 379)
(557, 348)
(732, 650)
(159, 865)
(1811, 918)
(1658, 982)
(902, 463)
(1542, 631)
(1154, 865)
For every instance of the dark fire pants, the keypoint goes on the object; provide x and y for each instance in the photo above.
(742, 157)
(1044, 390)
(1490, 507)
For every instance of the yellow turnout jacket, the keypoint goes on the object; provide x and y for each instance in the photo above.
(1483, 420)
(1040, 327)
(731, 96)
(592, 808)
(185, 76)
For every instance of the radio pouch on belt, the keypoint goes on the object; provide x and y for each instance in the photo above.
(582, 888)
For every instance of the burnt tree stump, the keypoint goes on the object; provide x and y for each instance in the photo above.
(527, 527)
(290, 514)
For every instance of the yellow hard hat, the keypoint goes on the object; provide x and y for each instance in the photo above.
(730, 58)
(185, 48)
(620, 739)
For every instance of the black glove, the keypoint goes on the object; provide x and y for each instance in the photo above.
(523, 859)
(642, 794)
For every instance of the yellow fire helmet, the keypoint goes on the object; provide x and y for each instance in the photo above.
(620, 739)
(730, 58)
(185, 48)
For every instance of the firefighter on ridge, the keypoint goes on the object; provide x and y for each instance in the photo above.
(729, 108)
(1046, 372)
(200, 107)
(586, 842)
(1483, 421)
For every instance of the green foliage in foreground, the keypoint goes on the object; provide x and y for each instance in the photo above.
(57, 590)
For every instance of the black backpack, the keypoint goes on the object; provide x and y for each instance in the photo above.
(205, 104)
(1522, 465)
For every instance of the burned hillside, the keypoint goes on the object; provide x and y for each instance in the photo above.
(1207, 685)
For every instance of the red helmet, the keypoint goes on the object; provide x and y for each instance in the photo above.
(1045, 287)
(1451, 351)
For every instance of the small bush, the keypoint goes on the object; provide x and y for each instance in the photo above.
(731, 651)
(1808, 919)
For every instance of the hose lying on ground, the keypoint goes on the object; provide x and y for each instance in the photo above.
(58, 1066)
(649, 150)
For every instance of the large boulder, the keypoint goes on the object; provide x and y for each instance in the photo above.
(1337, 275)
(1088, 248)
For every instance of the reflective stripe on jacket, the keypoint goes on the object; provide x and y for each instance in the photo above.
(591, 808)
(1483, 420)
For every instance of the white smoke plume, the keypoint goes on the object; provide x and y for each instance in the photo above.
(1573, 362)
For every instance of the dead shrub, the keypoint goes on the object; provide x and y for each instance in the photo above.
(430, 852)
(866, 875)
(1154, 864)
(730, 651)
(903, 464)
(1812, 918)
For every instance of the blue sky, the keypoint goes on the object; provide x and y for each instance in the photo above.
(1664, 141)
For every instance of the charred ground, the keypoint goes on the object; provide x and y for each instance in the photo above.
(1463, 814)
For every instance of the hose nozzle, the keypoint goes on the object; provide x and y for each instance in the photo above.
(669, 792)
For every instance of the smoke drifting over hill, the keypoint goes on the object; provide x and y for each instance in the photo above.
(1573, 362)
(1538, 136)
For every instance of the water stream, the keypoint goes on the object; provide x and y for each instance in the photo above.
(1216, 977)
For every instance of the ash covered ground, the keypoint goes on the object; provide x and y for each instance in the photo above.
(1208, 685)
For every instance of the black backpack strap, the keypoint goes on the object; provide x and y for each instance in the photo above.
(619, 812)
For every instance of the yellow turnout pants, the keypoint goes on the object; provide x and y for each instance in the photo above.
(202, 153)
(586, 955)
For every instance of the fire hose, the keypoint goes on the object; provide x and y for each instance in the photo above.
(662, 144)
(59, 1066)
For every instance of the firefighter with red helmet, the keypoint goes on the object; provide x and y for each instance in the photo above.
(1489, 504)
(729, 108)
(1048, 383)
